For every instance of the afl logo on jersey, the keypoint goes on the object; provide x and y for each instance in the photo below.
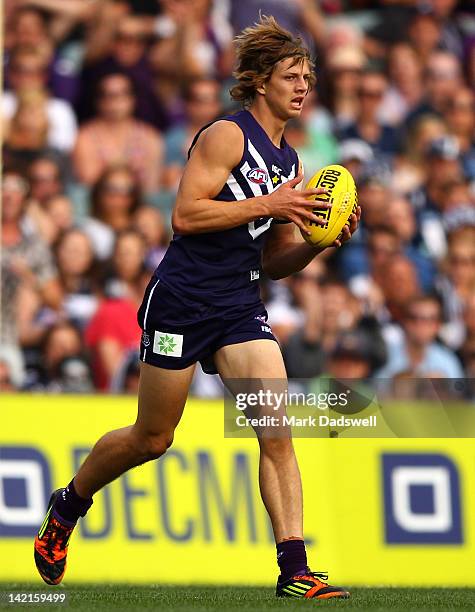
(258, 175)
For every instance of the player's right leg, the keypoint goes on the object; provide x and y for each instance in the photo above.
(162, 397)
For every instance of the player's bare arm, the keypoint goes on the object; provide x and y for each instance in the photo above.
(286, 253)
(217, 151)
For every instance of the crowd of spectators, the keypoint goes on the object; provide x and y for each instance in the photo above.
(101, 101)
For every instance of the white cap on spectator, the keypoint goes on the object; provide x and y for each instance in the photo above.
(348, 57)
(354, 148)
(445, 147)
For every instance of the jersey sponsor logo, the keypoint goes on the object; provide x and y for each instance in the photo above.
(254, 274)
(170, 345)
(276, 169)
(258, 175)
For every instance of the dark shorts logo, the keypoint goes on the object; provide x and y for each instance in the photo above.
(258, 175)
(145, 339)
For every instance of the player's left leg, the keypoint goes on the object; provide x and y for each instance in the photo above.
(260, 363)
(161, 399)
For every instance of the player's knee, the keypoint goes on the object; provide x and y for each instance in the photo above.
(277, 448)
(156, 445)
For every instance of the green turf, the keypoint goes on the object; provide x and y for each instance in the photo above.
(201, 599)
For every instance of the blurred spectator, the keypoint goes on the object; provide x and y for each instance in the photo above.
(118, 43)
(202, 106)
(340, 312)
(126, 379)
(460, 118)
(115, 137)
(399, 285)
(303, 353)
(467, 357)
(63, 368)
(368, 127)
(149, 222)
(27, 131)
(443, 76)
(410, 166)
(456, 286)
(385, 243)
(43, 25)
(405, 90)
(345, 65)
(115, 197)
(52, 219)
(373, 190)
(44, 177)
(194, 39)
(424, 34)
(6, 382)
(78, 276)
(27, 71)
(443, 169)
(351, 359)
(113, 330)
(450, 35)
(402, 219)
(470, 61)
(29, 279)
(302, 16)
(354, 155)
(468, 347)
(417, 349)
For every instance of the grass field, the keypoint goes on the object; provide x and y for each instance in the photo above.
(201, 599)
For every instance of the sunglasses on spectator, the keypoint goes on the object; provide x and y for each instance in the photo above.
(19, 69)
(346, 70)
(120, 93)
(116, 189)
(14, 184)
(442, 74)
(462, 261)
(131, 38)
(371, 93)
(203, 99)
(45, 178)
(462, 106)
(307, 277)
(423, 318)
(382, 250)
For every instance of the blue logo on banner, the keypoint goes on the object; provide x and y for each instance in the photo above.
(421, 499)
(25, 487)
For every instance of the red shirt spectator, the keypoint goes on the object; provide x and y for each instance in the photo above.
(112, 332)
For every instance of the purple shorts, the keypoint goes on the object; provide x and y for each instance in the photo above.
(179, 331)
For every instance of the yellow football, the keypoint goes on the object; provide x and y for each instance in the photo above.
(341, 194)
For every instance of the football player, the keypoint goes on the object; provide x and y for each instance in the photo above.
(237, 212)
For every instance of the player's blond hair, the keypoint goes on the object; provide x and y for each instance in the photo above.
(259, 48)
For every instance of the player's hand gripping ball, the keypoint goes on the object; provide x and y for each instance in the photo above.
(341, 194)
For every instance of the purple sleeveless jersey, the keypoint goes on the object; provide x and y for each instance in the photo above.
(223, 268)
